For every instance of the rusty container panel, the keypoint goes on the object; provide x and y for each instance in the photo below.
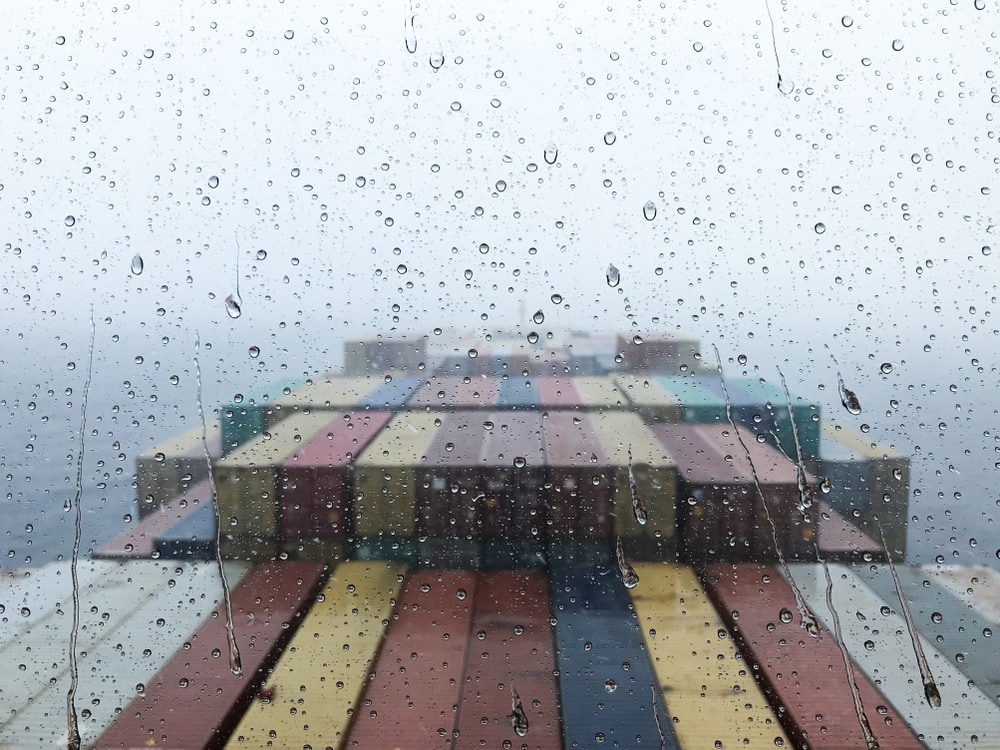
(580, 480)
(413, 697)
(512, 645)
(448, 484)
(314, 481)
(195, 701)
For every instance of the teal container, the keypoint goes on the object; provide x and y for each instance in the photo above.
(699, 405)
(513, 554)
(245, 421)
(389, 548)
(806, 417)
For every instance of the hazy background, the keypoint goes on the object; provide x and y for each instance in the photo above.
(356, 184)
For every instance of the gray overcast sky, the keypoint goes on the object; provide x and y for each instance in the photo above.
(352, 175)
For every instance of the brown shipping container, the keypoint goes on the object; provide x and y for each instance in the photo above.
(314, 481)
(721, 515)
(448, 484)
(195, 701)
(455, 393)
(512, 478)
(513, 647)
(413, 695)
(579, 479)
(804, 677)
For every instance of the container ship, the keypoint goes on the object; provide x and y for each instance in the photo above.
(583, 542)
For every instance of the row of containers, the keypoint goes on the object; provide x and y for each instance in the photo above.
(556, 355)
(462, 487)
(372, 655)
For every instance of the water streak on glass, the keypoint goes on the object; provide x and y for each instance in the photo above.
(638, 507)
(72, 721)
(807, 618)
(931, 692)
(235, 664)
(859, 709)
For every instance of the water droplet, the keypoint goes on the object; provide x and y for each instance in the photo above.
(886, 368)
(785, 615)
(610, 137)
(850, 400)
(483, 248)
(613, 275)
(936, 617)
(610, 685)
(410, 34)
(742, 359)
(785, 85)
(437, 59)
(473, 353)
(461, 594)
(932, 694)
(629, 577)
(551, 153)
(501, 186)
(70, 220)
(538, 317)
(556, 299)
(520, 462)
(533, 337)
(61, 40)
(518, 718)
(649, 210)
(137, 264)
(213, 182)
(233, 306)
(819, 227)
(254, 352)
(25, 612)
(897, 45)
(456, 106)
(847, 22)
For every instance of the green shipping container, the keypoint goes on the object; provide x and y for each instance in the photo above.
(385, 476)
(655, 477)
(805, 414)
(699, 405)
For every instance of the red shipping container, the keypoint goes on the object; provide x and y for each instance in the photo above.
(413, 696)
(512, 645)
(580, 491)
(314, 482)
